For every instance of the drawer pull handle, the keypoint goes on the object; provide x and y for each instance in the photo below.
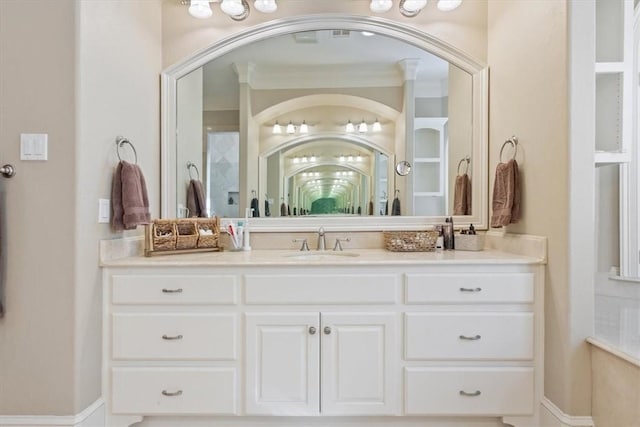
(312, 330)
(175, 337)
(172, 291)
(465, 393)
(470, 289)
(171, 393)
(464, 337)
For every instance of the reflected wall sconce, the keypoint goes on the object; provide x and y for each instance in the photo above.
(363, 127)
(291, 128)
(411, 8)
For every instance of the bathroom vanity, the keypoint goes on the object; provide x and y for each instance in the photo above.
(265, 337)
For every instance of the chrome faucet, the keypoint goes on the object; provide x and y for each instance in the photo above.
(322, 243)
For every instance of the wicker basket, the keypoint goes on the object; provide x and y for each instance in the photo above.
(208, 240)
(163, 235)
(186, 234)
(410, 241)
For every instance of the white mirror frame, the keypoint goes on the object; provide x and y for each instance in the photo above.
(478, 70)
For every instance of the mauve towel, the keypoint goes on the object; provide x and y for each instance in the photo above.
(506, 195)
(462, 195)
(129, 198)
(195, 199)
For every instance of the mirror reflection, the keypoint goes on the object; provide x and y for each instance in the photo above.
(314, 123)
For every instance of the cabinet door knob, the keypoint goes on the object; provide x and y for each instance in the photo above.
(327, 330)
(171, 393)
(172, 291)
(466, 393)
(312, 330)
(470, 289)
(474, 338)
(174, 337)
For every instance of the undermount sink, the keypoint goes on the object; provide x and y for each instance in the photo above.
(320, 254)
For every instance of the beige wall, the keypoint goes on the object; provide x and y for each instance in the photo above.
(101, 60)
(37, 95)
(527, 55)
(616, 395)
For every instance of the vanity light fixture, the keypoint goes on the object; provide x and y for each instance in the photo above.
(297, 160)
(376, 126)
(277, 128)
(312, 158)
(358, 158)
(200, 9)
(291, 128)
(411, 8)
(265, 6)
(362, 127)
(304, 128)
(350, 159)
(304, 159)
(448, 5)
(380, 6)
(342, 158)
(350, 128)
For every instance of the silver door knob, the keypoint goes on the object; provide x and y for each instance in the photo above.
(312, 330)
(327, 330)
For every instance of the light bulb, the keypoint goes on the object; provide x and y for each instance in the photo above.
(342, 158)
(304, 159)
(304, 128)
(312, 158)
(232, 7)
(376, 126)
(362, 127)
(277, 128)
(350, 158)
(200, 9)
(414, 5)
(291, 128)
(265, 6)
(448, 5)
(358, 158)
(296, 160)
(380, 6)
(350, 127)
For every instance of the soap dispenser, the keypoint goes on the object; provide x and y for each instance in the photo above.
(246, 241)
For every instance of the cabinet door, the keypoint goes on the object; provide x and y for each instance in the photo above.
(283, 364)
(359, 364)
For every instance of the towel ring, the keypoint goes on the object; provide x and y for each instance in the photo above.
(514, 142)
(122, 140)
(193, 165)
(465, 159)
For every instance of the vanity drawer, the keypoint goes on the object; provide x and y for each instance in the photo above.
(466, 336)
(469, 288)
(469, 391)
(321, 289)
(167, 289)
(150, 391)
(174, 336)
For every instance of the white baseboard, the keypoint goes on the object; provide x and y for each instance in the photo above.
(552, 416)
(92, 416)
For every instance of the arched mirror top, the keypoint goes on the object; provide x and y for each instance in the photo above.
(265, 116)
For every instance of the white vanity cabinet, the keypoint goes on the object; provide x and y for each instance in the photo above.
(247, 341)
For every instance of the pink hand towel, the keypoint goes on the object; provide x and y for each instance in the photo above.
(462, 195)
(129, 198)
(506, 195)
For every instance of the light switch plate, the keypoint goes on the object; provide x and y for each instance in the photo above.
(104, 211)
(33, 146)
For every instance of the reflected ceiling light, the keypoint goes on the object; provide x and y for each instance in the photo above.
(342, 158)
(376, 126)
(350, 127)
(350, 158)
(236, 9)
(312, 158)
(367, 33)
(448, 5)
(359, 158)
(277, 128)
(200, 9)
(304, 128)
(265, 6)
(304, 159)
(362, 127)
(296, 160)
(291, 128)
(380, 6)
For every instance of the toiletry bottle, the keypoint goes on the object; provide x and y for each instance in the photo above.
(246, 242)
(447, 234)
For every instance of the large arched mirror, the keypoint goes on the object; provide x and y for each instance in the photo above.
(308, 118)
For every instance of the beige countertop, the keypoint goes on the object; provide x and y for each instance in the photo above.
(318, 258)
